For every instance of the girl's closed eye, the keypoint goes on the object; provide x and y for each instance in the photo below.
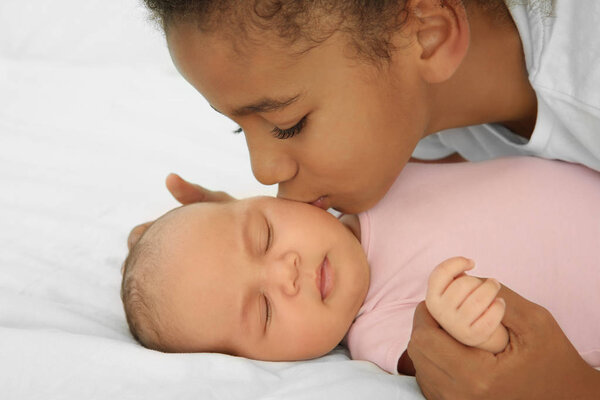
(282, 134)
(289, 132)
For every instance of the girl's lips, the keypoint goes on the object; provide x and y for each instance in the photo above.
(325, 278)
(321, 202)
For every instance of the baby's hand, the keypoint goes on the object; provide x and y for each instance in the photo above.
(466, 306)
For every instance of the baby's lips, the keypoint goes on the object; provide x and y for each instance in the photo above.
(326, 279)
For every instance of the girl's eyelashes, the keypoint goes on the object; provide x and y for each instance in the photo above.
(279, 133)
(289, 132)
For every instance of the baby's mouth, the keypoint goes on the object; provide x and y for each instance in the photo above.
(325, 278)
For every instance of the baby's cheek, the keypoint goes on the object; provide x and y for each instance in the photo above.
(319, 342)
(318, 334)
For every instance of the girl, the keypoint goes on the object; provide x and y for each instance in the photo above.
(334, 97)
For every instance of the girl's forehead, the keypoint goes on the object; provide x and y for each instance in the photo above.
(229, 79)
(237, 46)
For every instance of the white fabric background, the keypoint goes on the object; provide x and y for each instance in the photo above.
(92, 118)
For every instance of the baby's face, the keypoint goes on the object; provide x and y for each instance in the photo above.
(262, 278)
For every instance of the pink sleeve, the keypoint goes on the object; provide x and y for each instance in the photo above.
(382, 335)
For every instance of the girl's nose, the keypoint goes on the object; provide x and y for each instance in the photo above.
(271, 163)
(284, 273)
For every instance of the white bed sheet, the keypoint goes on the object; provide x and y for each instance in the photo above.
(92, 118)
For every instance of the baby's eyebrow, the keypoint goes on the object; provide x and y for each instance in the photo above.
(246, 234)
(246, 237)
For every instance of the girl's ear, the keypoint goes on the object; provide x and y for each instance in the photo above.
(441, 30)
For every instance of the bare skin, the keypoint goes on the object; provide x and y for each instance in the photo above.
(359, 122)
(539, 362)
(494, 64)
(456, 66)
(467, 307)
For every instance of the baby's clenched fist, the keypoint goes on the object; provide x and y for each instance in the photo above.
(467, 307)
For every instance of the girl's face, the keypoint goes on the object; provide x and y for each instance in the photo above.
(328, 128)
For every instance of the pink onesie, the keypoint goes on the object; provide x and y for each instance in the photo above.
(532, 224)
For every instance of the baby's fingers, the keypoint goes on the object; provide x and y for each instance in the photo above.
(483, 311)
(485, 326)
(443, 275)
(479, 300)
(459, 290)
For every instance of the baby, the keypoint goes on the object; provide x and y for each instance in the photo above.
(272, 279)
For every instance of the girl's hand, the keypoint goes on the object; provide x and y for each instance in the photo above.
(188, 193)
(467, 307)
(538, 363)
(185, 193)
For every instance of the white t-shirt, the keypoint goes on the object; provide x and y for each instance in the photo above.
(562, 55)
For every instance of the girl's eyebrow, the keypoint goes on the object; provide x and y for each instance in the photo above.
(263, 105)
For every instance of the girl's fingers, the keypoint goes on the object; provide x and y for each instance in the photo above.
(187, 193)
(136, 233)
(184, 191)
(431, 347)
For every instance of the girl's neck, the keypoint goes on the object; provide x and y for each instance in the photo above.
(491, 85)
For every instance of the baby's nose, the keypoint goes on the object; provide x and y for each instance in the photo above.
(284, 273)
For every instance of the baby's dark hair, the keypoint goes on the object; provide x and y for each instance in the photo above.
(369, 24)
(138, 293)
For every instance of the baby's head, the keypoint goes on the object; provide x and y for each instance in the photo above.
(263, 278)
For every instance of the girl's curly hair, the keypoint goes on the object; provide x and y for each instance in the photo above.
(369, 23)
